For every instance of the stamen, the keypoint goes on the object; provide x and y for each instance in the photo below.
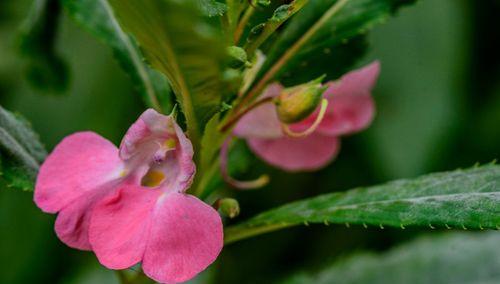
(251, 184)
(153, 178)
(290, 133)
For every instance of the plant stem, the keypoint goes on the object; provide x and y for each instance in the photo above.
(233, 235)
(122, 277)
(200, 190)
(242, 24)
(227, 125)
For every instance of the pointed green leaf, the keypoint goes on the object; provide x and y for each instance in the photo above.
(45, 68)
(97, 17)
(177, 41)
(460, 199)
(20, 151)
(320, 28)
(449, 258)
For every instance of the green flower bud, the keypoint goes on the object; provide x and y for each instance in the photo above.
(229, 207)
(238, 57)
(296, 103)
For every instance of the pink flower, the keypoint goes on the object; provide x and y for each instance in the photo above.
(129, 205)
(350, 110)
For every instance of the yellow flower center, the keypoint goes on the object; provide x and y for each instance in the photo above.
(170, 143)
(153, 178)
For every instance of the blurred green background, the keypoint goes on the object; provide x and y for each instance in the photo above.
(438, 108)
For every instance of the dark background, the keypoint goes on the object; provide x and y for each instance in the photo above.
(438, 108)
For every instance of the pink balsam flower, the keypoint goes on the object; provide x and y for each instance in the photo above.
(350, 110)
(129, 205)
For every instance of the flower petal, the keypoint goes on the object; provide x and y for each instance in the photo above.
(185, 164)
(261, 122)
(120, 224)
(81, 164)
(291, 154)
(350, 114)
(357, 82)
(155, 142)
(149, 125)
(185, 238)
(72, 223)
(351, 107)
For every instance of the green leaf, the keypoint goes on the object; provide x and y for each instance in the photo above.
(319, 28)
(97, 17)
(212, 8)
(45, 70)
(449, 258)
(468, 199)
(333, 61)
(262, 32)
(210, 143)
(20, 151)
(178, 42)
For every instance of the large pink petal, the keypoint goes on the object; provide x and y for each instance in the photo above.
(297, 154)
(80, 165)
(261, 122)
(186, 237)
(351, 107)
(119, 226)
(72, 223)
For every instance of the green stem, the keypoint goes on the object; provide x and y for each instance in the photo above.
(242, 24)
(234, 118)
(123, 277)
(207, 176)
(232, 235)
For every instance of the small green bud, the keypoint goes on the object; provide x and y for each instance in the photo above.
(229, 207)
(238, 57)
(296, 103)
